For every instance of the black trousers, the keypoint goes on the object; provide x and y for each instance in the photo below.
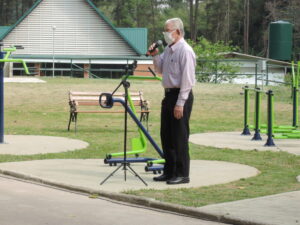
(175, 135)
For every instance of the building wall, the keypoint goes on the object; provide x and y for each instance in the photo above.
(79, 31)
(271, 72)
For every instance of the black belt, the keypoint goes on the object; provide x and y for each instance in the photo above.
(172, 90)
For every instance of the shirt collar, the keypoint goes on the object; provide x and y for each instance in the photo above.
(177, 44)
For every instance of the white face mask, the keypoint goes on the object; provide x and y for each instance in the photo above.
(168, 37)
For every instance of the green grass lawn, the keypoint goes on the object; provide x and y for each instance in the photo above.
(42, 109)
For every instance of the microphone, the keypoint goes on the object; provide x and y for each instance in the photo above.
(157, 44)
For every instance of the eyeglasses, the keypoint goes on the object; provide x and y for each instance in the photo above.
(168, 32)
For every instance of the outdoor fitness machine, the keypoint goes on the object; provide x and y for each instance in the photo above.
(139, 145)
(4, 57)
(257, 110)
(270, 128)
(257, 113)
(106, 100)
(295, 132)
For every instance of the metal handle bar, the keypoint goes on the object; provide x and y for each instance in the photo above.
(108, 102)
(254, 89)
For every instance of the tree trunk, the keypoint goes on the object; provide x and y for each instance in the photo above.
(118, 13)
(23, 6)
(137, 14)
(191, 19)
(153, 7)
(7, 12)
(227, 37)
(246, 26)
(196, 12)
(17, 9)
(1, 12)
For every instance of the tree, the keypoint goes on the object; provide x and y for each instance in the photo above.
(242, 23)
(209, 61)
(12, 10)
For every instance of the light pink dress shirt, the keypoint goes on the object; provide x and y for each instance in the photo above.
(177, 64)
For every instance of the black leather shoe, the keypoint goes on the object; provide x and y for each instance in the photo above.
(161, 178)
(179, 180)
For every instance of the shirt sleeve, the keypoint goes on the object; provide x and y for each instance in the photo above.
(187, 64)
(158, 62)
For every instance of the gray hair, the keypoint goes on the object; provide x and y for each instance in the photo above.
(177, 24)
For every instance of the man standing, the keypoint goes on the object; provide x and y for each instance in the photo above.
(177, 64)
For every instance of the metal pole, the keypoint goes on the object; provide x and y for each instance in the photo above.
(1, 98)
(297, 95)
(216, 78)
(295, 107)
(270, 141)
(53, 66)
(246, 130)
(90, 68)
(257, 136)
(255, 75)
(267, 70)
(71, 68)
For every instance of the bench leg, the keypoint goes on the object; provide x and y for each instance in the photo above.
(147, 120)
(145, 117)
(73, 118)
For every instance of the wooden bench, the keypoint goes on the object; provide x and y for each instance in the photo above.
(88, 102)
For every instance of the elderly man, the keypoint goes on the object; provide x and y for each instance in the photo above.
(177, 64)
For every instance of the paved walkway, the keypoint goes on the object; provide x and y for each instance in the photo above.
(85, 175)
(23, 80)
(31, 144)
(27, 204)
(281, 209)
(234, 140)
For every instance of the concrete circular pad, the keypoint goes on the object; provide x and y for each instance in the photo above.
(90, 172)
(23, 80)
(30, 144)
(234, 140)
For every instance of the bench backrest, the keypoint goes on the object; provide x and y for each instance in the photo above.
(92, 98)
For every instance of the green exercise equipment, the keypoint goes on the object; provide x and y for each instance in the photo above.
(138, 144)
(7, 58)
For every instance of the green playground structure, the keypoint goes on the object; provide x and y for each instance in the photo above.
(272, 130)
(8, 52)
(4, 58)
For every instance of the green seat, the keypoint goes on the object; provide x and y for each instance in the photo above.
(138, 145)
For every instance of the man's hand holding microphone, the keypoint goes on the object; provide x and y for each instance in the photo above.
(153, 49)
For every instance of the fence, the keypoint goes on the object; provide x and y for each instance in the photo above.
(257, 72)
